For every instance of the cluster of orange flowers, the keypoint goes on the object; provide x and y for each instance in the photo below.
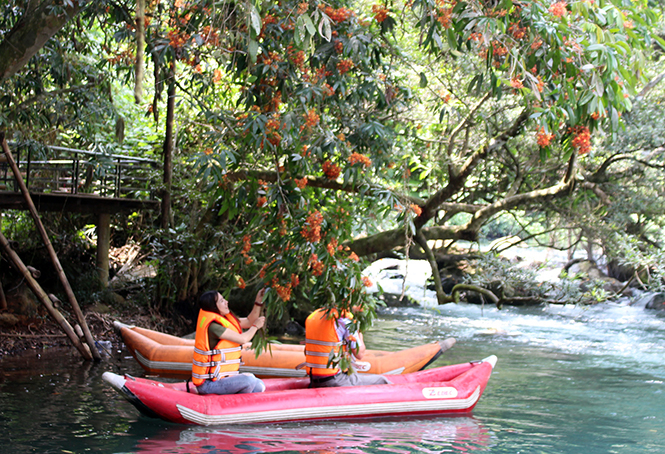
(339, 46)
(360, 158)
(543, 137)
(444, 15)
(353, 256)
(210, 36)
(536, 44)
(301, 182)
(241, 283)
(261, 201)
(177, 39)
(328, 90)
(517, 31)
(499, 50)
(559, 9)
(272, 126)
(302, 8)
(516, 83)
(297, 58)
(311, 119)
(380, 13)
(582, 139)
(345, 66)
(316, 265)
(311, 231)
(127, 57)
(416, 209)
(246, 246)
(337, 15)
(331, 170)
(332, 246)
(367, 282)
(284, 291)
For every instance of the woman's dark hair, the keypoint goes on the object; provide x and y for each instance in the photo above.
(208, 301)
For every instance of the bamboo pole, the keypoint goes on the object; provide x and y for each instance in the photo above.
(43, 297)
(54, 258)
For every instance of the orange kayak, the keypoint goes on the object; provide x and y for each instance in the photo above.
(164, 355)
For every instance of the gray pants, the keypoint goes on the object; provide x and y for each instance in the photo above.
(233, 384)
(356, 379)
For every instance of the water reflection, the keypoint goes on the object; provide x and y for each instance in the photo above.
(460, 434)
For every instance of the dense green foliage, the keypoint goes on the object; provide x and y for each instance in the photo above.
(309, 135)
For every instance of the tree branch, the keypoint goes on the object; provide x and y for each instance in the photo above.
(32, 31)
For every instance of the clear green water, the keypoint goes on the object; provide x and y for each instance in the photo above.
(568, 380)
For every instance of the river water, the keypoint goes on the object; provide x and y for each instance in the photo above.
(568, 380)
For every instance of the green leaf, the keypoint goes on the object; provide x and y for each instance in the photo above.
(311, 29)
(253, 50)
(255, 19)
(325, 29)
(423, 80)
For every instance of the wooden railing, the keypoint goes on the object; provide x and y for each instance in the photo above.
(71, 171)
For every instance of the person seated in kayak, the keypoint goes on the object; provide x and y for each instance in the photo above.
(327, 330)
(218, 343)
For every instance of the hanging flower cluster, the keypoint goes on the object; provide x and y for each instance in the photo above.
(311, 231)
(360, 158)
(380, 13)
(331, 170)
(559, 9)
(315, 265)
(543, 137)
(582, 139)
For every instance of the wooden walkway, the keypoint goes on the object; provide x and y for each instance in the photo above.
(66, 179)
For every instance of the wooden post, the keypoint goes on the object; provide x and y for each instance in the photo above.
(43, 297)
(103, 242)
(3, 300)
(54, 258)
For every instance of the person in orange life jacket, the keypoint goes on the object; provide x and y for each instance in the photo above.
(326, 330)
(218, 343)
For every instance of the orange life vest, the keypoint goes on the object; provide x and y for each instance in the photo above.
(322, 342)
(221, 361)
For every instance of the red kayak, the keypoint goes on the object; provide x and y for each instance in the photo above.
(446, 390)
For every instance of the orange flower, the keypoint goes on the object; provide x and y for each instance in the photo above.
(311, 231)
(331, 247)
(331, 170)
(241, 283)
(367, 282)
(301, 183)
(516, 83)
(261, 201)
(357, 157)
(559, 9)
(380, 13)
(247, 244)
(345, 66)
(416, 209)
(353, 256)
(316, 265)
(543, 137)
(582, 139)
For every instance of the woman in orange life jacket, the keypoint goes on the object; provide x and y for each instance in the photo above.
(218, 343)
(327, 330)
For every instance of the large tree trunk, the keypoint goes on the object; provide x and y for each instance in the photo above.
(168, 150)
(38, 24)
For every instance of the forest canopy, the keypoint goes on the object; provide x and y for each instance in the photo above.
(300, 138)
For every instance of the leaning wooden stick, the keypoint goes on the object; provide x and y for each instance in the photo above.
(43, 297)
(54, 258)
